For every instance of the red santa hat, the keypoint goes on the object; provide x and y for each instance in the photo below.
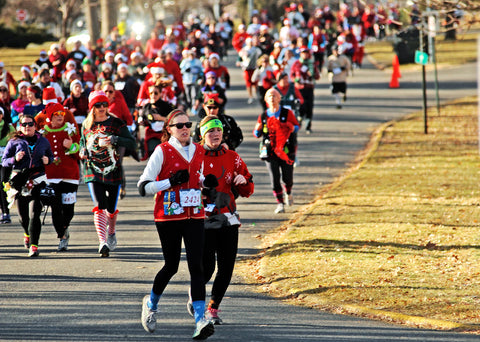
(71, 64)
(96, 96)
(53, 108)
(25, 68)
(49, 96)
(211, 99)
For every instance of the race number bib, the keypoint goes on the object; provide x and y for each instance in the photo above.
(190, 198)
(69, 198)
(337, 71)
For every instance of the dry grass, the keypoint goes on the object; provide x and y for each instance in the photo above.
(399, 233)
(463, 50)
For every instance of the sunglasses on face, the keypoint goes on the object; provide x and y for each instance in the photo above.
(3, 90)
(180, 125)
(100, 104)
(154, 93)
(27, 124)
(108, 91)
(212, 107)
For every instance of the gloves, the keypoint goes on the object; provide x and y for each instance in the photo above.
(210, 181)
(141, 188)
(179, 177)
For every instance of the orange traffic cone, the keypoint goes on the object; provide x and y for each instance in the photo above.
(395, 73)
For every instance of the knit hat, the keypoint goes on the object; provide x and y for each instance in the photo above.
(74, 82)
(96, 97)
(211, 99)
(52, 108)
(49, 96)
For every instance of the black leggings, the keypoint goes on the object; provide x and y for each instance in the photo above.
(278, 168)
(62, 214)
(105, 196)
(5, 173)
(30, 210)
(223, 243)
(171, 234)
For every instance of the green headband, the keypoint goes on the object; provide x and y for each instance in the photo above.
(209, 125)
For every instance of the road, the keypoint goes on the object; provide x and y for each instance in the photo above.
(78, 296)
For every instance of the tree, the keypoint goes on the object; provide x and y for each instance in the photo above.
(71, 10)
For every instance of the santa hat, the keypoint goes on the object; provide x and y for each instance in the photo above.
(157, 70)
(109, 54)
(106, 65)
(69, 74)
(121, 66)
(211, 99)
(24, 84)
(25, 68)
(214, 55)
(53, 108)
(49, 96)
(96, 97)
(119, 58)
(71, 64)
(75, 82)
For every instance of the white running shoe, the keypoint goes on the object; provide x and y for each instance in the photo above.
(112, 241)
(149, 319)
(203, 329)
(103, 250)
(289, 199)
(280, 208)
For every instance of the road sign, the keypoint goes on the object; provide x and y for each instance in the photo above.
(421, 57)
(21, 15)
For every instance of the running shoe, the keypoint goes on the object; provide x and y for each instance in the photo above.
(149, 319)
(212, 315)
(5, 219)
(289, 199)
(203, 329)
(112, 241)
(63, 245)
(280, 208)
(33, 253)
(26, 241)
(104, 250)
(190, 306)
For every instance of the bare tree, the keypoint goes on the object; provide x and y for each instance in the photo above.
(71, 10)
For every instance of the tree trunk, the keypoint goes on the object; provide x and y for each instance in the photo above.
(91, 18)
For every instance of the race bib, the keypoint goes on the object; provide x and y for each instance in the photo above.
(337, 71)
(209, 208)
(69, 198)
(190, 198)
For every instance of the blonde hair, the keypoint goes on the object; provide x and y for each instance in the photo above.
(203, 122)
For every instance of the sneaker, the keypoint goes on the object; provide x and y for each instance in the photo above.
(104, 250)
(308, 131)
(212, 315)
(33, 253)
(5, 219)
(149, 319)
(26, 241)
(63, 245)
(250, 100)
(112, 241)
(203, 329)
(280, 208)
(123, 192)
(289, 199)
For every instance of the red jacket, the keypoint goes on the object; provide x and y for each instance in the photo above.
(119, 108)
(167, 202)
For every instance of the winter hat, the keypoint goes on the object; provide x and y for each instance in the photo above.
(119, 58)
(211, 99)
(109, 54)
(96, 96)
(157, 70)
(69, 74)
(25, 68)
(121, 66)
(53, 108)
(71, 64)
(49, 96)
(23, 84)
(214, 55)
(211, 73)
(74, 82)
(106, 65)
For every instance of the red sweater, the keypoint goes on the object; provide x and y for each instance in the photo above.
(65, 164)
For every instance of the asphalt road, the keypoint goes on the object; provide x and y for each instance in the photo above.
(78, 296)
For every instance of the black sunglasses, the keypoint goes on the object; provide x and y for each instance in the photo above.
(212, 107)
(180, 125)
(108, 91)
(101, 104)
(29, 124)
(3, 90)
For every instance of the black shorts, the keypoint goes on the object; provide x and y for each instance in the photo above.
(339, 87)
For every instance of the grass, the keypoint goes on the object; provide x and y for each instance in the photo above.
(463, 50)
(397, 235)
(14, 59)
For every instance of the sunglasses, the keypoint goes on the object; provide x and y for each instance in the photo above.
(108, 91)
(180, 125)
(29, 124)
(100, 104)
(212, 107)
(154, 93)
(3, 90)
